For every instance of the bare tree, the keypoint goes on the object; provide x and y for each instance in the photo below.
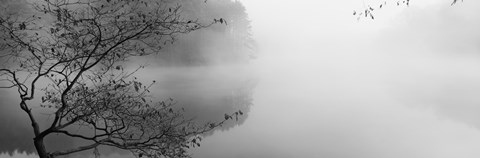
(70, 54)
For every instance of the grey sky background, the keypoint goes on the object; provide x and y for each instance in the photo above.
(403, 85)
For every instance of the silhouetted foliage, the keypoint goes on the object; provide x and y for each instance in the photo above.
(71, 56)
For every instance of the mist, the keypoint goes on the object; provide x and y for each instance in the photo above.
(325, 84)
(402, 85)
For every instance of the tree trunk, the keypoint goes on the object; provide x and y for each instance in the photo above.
(40, 147)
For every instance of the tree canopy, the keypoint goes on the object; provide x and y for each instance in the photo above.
(71, 55)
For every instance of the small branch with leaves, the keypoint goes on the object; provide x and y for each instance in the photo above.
(368, 11)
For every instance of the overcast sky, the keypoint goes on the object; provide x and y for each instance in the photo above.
(405, 85)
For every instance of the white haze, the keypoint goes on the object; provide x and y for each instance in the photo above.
(405, 85)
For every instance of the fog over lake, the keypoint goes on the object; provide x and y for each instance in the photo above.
(402, 85)
(326, 85)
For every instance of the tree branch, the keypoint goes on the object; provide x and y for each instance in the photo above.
(70, 151)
